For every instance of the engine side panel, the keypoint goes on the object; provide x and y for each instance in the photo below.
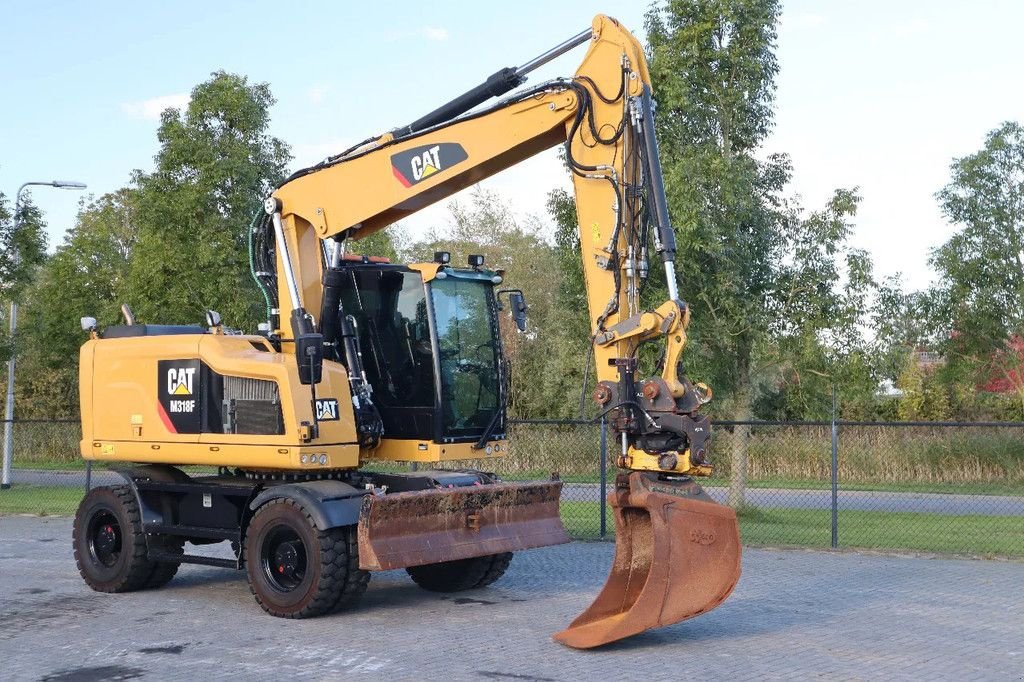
(210, 399)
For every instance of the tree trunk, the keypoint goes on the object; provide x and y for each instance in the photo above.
(740, 436)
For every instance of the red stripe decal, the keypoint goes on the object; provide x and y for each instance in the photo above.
(401, 178)
(168, 424)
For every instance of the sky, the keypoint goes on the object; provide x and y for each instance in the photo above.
(879, 95)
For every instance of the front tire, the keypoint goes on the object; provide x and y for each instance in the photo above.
(297, 570)
(462, 574)
(110, 546)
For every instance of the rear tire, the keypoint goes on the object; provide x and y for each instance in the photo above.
(462, 574)
(110, 546)
(297, 570)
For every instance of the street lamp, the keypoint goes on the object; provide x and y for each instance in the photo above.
(5, 482)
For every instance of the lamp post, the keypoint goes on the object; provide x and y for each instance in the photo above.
(5, 482)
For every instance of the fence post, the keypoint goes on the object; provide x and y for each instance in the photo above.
(604, 474)
(88, 475)
(835, 472)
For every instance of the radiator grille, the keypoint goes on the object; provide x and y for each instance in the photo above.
(252, 406)
(242, 388)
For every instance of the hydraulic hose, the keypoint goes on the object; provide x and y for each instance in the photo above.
(252, 261)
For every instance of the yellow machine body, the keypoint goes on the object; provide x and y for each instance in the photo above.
(124, 419)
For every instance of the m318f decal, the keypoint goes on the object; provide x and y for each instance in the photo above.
(418, 164)
(180, 395)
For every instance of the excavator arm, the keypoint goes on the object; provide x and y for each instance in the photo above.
(677, 552)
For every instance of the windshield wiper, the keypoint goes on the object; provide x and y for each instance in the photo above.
(498, 413)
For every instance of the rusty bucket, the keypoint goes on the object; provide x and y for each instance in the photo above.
(407, 529)
(677, 555)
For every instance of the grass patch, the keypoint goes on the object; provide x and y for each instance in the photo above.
(40, 499)
(966, 488)
(940, 533)
(994, 488)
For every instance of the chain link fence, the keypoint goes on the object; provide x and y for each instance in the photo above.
(945, 487)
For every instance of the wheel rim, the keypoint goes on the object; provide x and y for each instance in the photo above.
(283, 558)
(105, 538)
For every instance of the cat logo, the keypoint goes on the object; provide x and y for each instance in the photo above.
(420, 163)
(426, 165)
(327, 410)
(179, 380)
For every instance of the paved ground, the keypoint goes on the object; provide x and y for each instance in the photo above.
(795, 614)
(765, 498)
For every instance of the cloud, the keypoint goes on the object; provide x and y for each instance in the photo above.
(434, 33)
(150, 109)
(317, 93)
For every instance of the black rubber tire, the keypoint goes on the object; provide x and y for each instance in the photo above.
(126, 568)
(331, 579)
(463, 574)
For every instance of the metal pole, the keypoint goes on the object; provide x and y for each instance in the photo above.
(5, 478)
(5, 483)
(604, 476)
(835, 472)
(88, 475)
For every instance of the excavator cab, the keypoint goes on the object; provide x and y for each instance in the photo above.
(426, 338)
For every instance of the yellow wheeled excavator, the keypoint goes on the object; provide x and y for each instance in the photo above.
(365, 361)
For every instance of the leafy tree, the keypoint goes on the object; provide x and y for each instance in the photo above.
(764, 279)
(389, 243)
(924, 396)
(86, 276)
(22, 249)
(981, 268)
(215, 165)
(564, 340)
(22, 245)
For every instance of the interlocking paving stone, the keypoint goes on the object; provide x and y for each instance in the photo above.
(794, 615)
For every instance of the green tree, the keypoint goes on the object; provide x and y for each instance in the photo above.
(22, 250)
(569, 331)
(389, 243)
(85, 276)
(981, 268)
(215, 165)
(764, 279)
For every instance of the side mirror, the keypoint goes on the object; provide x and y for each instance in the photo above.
(517, 303)
(88, 324)
(309, 352)
(213, 322)
(309, 348)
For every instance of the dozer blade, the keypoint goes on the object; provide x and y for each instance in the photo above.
(677, 555)
(429, 526)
